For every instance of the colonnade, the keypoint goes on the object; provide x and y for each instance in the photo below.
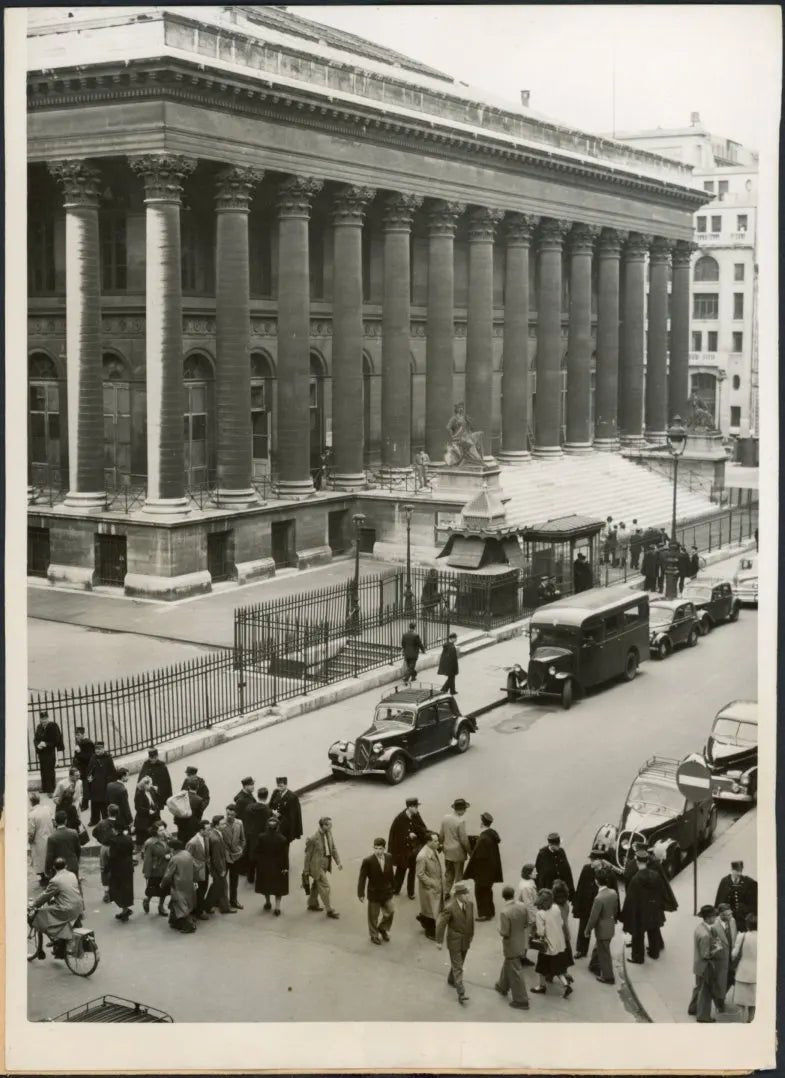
(622, 415)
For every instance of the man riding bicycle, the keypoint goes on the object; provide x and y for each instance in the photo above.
(56, 910)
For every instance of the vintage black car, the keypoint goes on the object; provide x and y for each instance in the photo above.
(745, 579)
(584, 640)
(732, 752)
(672, 623)
(409, 725)
(714, 600)
(657, 813)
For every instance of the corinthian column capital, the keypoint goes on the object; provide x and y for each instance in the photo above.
(295, 194)
(80, 182)
(551, 232)
(518, 228)
(234, 186)
(682, 252)
(162, 175)
(399, 209)
(443, 217)
(482, 224)
(350, 203)
(609, 243)
(660, 250)
(582, 238)
(636, 246)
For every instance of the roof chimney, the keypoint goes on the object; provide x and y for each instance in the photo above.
(525, 94)
(695, 119)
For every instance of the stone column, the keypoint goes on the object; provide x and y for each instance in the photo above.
(479, 323)
(80, 183)
(396, 381)
(440, 328)
(348, 213)
(232, 332)
(163, 176)
(606, 396)
(657, 355)
(294, 328)
(579, 433)
(632, 340)
(515, 361)
(547, 402)
(679, 374)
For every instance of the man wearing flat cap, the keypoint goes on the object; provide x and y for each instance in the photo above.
(454, 842)
(457, 921)
(287, 805)
(705, 950)
(739, 891)
(551, 864)
(485, 868)
(408, 834)
(194, 781)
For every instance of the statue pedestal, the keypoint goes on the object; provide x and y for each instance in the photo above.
(463, 481)
(704, 457)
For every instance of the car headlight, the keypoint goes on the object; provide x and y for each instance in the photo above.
(551, 670)
(744, 780)
(378, 748)
(342, 746)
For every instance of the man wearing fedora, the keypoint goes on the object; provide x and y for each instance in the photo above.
(454, 841)
(408, 834)
(457, 921)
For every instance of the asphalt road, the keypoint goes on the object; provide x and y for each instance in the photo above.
(534, 766)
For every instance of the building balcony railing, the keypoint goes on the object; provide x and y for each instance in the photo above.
(704, 357)
(746, 237)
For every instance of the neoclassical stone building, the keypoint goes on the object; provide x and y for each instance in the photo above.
(252, 237)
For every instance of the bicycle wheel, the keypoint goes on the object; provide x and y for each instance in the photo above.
(80, 960)
(35, 944)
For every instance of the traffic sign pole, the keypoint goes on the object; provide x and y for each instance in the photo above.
(695, 862)
(693, 779)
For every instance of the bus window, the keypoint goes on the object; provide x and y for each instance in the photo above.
(613, 623)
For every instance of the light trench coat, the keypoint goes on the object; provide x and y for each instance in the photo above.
(40, 825)
(430, 882)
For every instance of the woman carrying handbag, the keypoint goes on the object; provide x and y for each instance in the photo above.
(552, 957)
(744, 962)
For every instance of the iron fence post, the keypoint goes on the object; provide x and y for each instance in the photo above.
(208, 723)
(151, 736)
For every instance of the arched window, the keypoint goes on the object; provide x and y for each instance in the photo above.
(117, 422)
(706, 269)
(46, 441)
(261, 413)
(316, 391)
(197, 377)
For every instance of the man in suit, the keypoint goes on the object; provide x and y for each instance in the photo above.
(194, 781)
(739, 891)
(159, 773)
(705, 949)
(454, 842)
(602, 921)
(412, 647)
(255, 823)
(117, 794)
(63, 842)
(81, 761)
(448, 664)
(100, 772)
(287, 805)
(199, 848)
(48, 742)
(515, 924)
(585, 893)
(457, 920)
(376, 874)
(218, 895)
(724, 929)
(552, 864)
(408, 834)
(245, 798)
(320, 854)
(233, 835)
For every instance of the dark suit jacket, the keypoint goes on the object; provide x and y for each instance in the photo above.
(457, 923)
(243, 801)
(200, 788)
(63, 842)
(399, 845)
(159, 773)
(412, 645)
(448, 660)
(380, 881)
(117, 794)
(287, 806)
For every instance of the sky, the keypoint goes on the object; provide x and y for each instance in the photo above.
(720, 61)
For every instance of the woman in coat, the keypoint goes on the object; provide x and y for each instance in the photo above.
(147, 810)
(155, 859)
(485, 868)
(179, 883)
(745, 958)
(40, 825)
(272, 865)
(552, 961)
(430, 884)
(121, 873)
(561, 899)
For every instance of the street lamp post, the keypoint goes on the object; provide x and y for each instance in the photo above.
(677, 443)
(354, 615)
(408, 596)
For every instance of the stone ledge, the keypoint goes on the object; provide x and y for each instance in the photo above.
(249, 572)
(79, 577)
(168, 587)
(317, 555)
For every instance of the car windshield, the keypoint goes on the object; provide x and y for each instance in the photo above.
(393, 713)
(660, 615)
(746, 565)
(648, 796)
(697, 593)
(740, 733)
(560, 636)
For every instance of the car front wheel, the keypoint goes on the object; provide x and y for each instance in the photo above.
(663, 649)
(734, 614)
(704, 626)
(396, 770)
(463, 739)
(692, 639)
(567, 694)
(631, 666)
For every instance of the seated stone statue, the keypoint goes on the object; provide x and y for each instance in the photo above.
(700, 418)
(465, 445)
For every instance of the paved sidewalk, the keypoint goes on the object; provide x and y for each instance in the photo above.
(663, 988)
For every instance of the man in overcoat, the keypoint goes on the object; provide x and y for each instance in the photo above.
(739, 891)
(159, 773)
(233, 834)
(178, 882)
(255, 823)
(704, 953)
(407, 835)
(117, 794)
(58, 907)
(649, 568)
(643, 913)
(245, 798)
(448, 664)
(457, 921)
(48, 742)
(271, 855)
(411, 646)
(187, 826)
(320, 855)
(485, 867)
(515, 924)
(602, 921)
(430, 884)
(63, 842)
(376, 876)
(100, 772)
(218, 895)
(454, 841)
(585, 893)
(198, 847)
(552, 864)
(287, 804)
(85, 748)
(194, 781)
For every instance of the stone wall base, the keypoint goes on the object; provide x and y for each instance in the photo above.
(247, 572)
(79, 577)
(318, 555)
(168, 587)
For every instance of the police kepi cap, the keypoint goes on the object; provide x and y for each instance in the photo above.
(642, 855)
(191, 770)
(247, 782)
(283, 779)
(412, 802)
(152, 753)
(460, 803)
(486, 818)
(738, 866)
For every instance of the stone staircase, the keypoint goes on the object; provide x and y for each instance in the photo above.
(356, 656)
(596, 485)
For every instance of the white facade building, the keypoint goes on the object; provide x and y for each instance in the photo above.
(723, 335)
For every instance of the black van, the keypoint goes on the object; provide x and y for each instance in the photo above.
(586, 639)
